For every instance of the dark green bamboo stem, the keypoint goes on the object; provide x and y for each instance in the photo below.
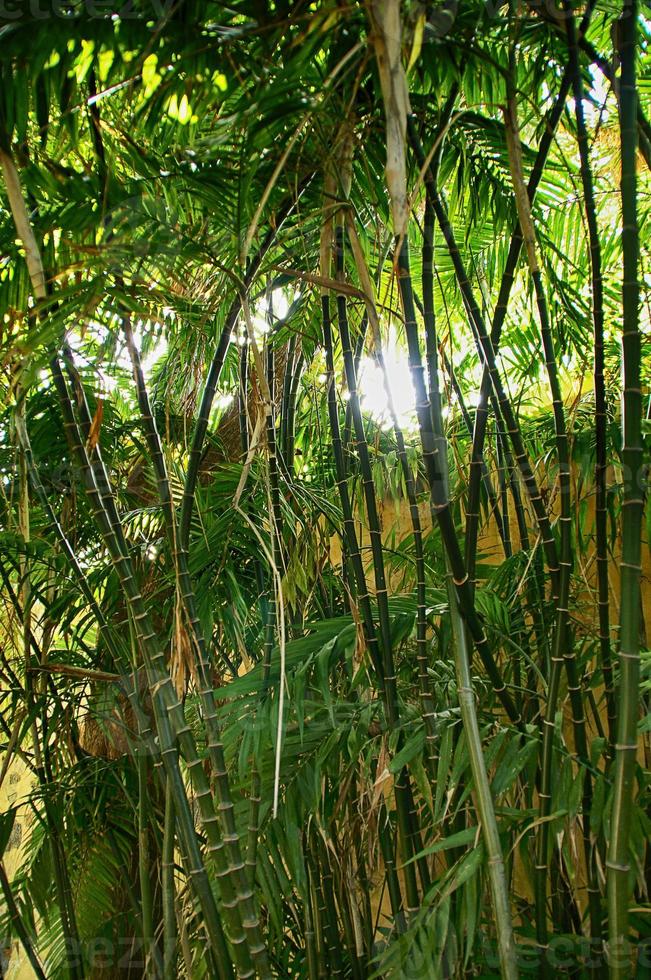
(608, 70)
(146, 905)
(328, 908)
(565, 518)
(169, 888)
(491, 494)
(360, 868)
(290, 421)
(349, 530)
(271, 615)
(618, 858)
(234, 884)
(359, 350)
(439, 502)
(503, 484)
(201, 426)
(168, 713)
(431, 432)
(272, 453)
(243, 396)
(492, 376)
(286, 414)
(508, 278)
(601, 412)
(321, 911)
(428, 708)
(362, 594)
(311, 950)
(490, 363)
(375, 534)
(601, 515)
(381, 591)
(386, 838)
(315, 898)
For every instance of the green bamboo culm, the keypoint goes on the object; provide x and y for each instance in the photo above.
(144, 866)
(168, 712)
(235, 892)
(601, 408)
(233, 885)
(563, 652)
(627, 700)
(169, 887)
(407, 831)
(462, 649)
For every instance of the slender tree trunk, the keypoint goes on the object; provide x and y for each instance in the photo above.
(618, 860)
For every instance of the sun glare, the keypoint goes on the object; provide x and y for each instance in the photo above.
(373, 392)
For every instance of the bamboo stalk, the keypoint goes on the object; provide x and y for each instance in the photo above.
(312, 954)
(226, 851)
(618, 857)
(33, 696)
(609, 72)
(328, 907)
(431, 415)
(381, 590)
(601, 413)
(601, 514)
(144, 723)
(168, 888)
(167, 710)
(508, 276)
(432, 358)
(286, 435)
(236, 888)
(144, 867)
(390, 872)
(270, 619)
(563, 651)
(439, 502)
(428, 708)
(488, 355)
(362, 595)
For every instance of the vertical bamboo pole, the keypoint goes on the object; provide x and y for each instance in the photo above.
(431, 416)
(563, 653)
(601, 412)
(618, 859)
(168, 712)
(234, 883)
(169, 888)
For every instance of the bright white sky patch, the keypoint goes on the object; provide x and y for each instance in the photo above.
(372, 389)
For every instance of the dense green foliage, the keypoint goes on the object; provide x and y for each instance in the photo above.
(304, 689)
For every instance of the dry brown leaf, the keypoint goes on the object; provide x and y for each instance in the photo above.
(95, 426)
